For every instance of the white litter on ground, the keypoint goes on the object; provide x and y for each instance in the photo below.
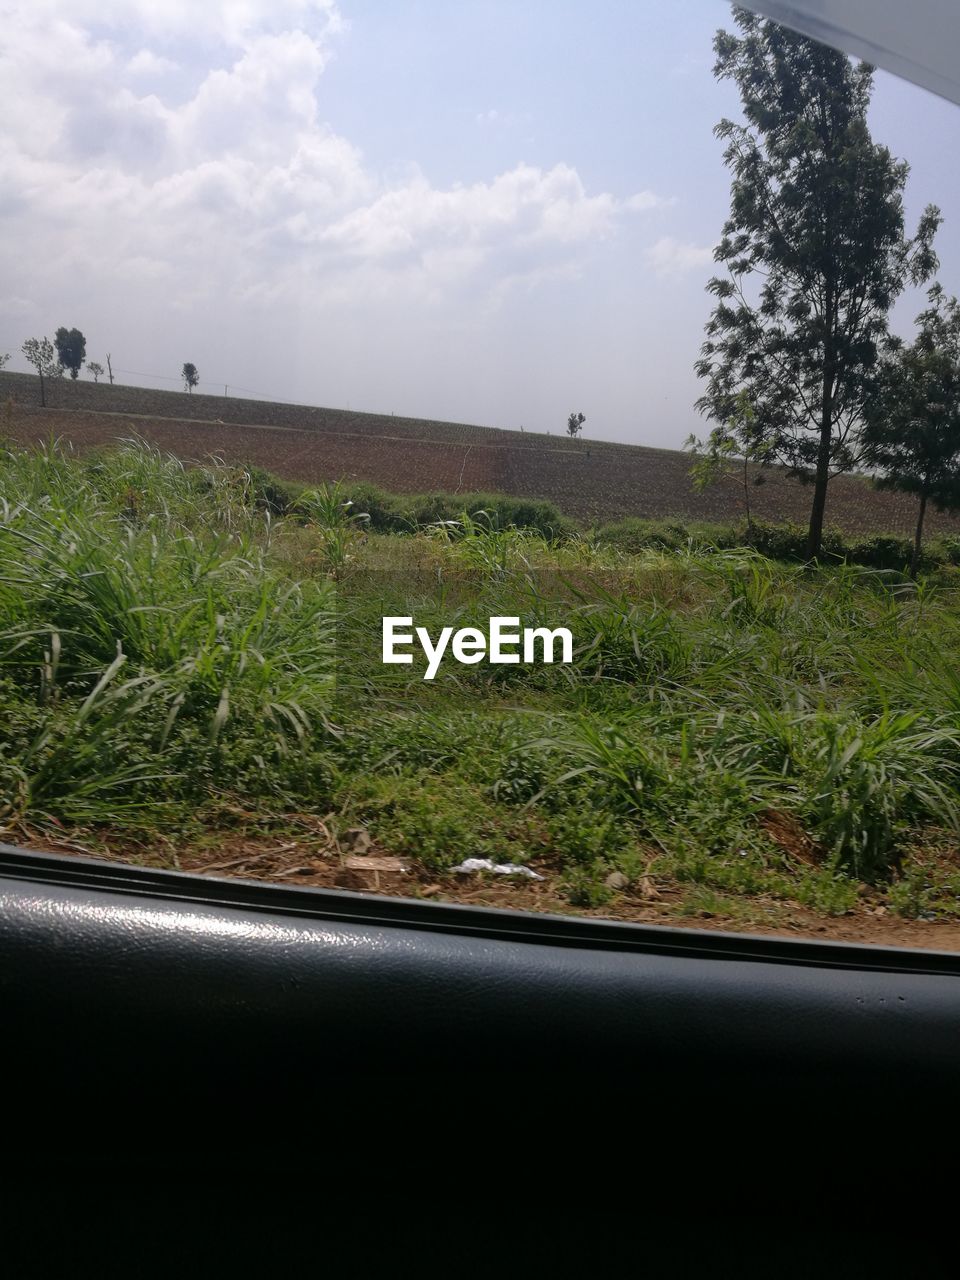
(498, 868)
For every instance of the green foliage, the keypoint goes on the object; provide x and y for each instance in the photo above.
(403, 513)
(868, 780)
(71, 350)
(633, 535)
(331, 514)
(712, 458)
(139, 613)
(789, 542)
(786, 542)
(633, 774)
(817, 213)
(734, 445)
(583, 886)
(438, 820)
(588, 838)
(409, 514)
(912, 896)
(39, 353)
(913, 420)
(478, 542)
(827, 891)
(272, 494)
(167, 648)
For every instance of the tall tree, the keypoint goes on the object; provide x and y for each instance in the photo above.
(912, 431)
(815, 251)
(190, 376)
(39, 353)
(71, 349)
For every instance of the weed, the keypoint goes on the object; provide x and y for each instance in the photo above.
(583, 886)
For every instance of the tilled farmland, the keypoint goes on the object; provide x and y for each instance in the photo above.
(588, 480)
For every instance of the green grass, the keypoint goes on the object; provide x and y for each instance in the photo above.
(175, 649)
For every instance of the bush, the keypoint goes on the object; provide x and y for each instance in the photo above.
(632, 535)
(405, 513)
(379, 506)
(436, 818)
(586, 887)
(778, 541)
(786, 542)
(945, 550)
(272, 494)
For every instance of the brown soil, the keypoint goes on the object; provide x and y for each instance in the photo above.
(315, 859)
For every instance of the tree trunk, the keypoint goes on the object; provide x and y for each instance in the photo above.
(43, 394)
(815, 533)
(918, 536)
(746, 495)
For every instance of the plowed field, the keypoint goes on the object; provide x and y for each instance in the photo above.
(588, 480)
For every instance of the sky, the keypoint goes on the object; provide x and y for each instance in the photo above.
(494, 211)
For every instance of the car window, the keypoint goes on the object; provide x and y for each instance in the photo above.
(484, 453)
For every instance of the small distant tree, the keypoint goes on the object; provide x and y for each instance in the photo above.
(190, 376)
(3, 360)
(731, 447)
(575, 425)
(912, 431)
(39, 352)
(71, 350)
(96, 369)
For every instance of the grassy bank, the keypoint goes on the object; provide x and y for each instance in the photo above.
(734, 730)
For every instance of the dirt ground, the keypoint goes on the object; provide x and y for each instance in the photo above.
(316, 860)
(592, 481)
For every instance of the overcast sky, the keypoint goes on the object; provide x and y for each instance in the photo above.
(492, 211)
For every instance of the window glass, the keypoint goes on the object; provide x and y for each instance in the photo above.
(494, 453)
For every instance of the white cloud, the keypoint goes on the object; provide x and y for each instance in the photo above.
(225, 184)
(645, 200)
(147, 63)
(672, 257)
(184, 22)
(525, 205)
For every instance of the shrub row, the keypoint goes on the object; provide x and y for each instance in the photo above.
(404, 513)
(778, 542)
